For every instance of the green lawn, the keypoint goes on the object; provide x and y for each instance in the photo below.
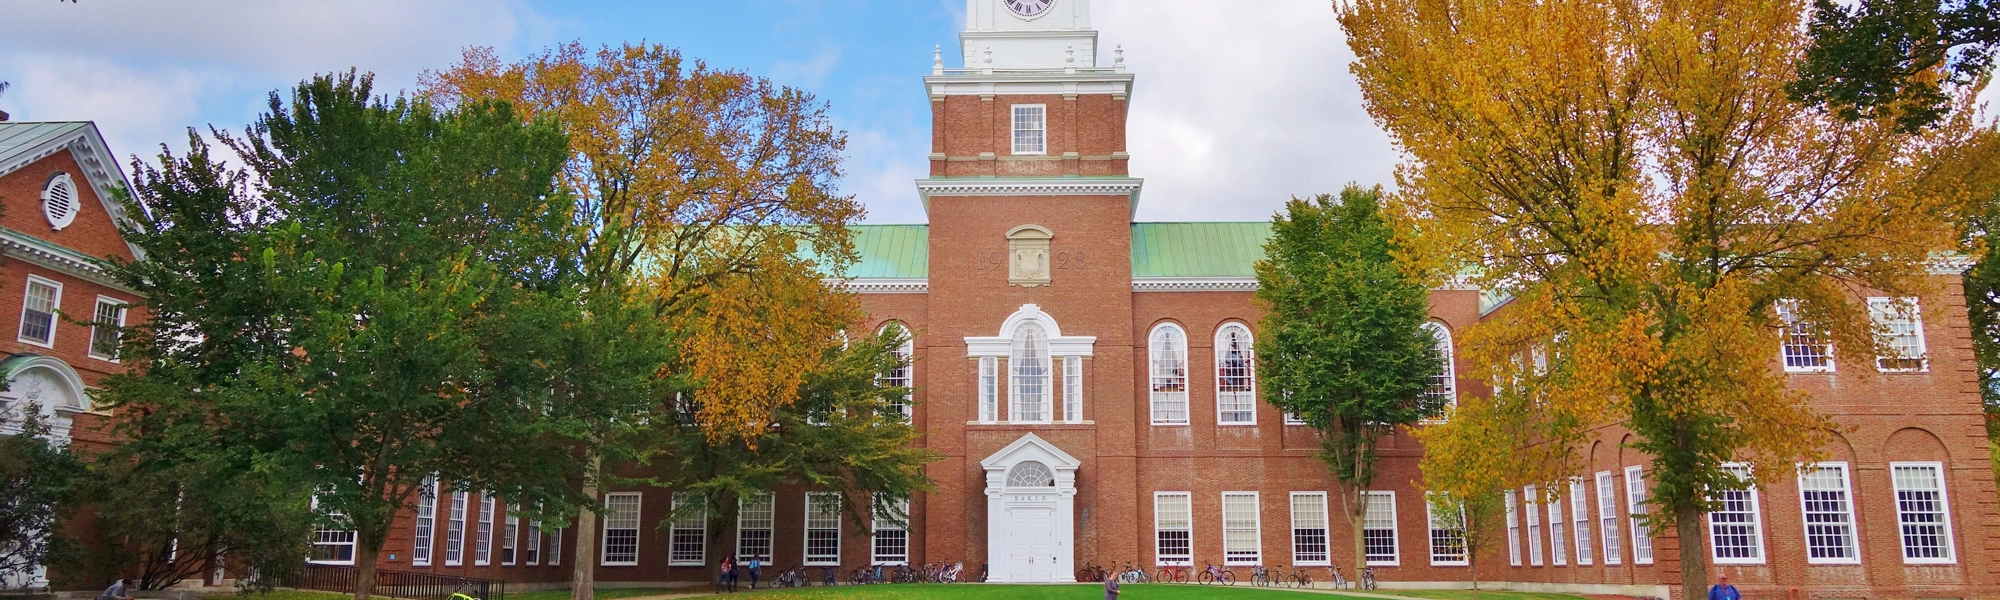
(602, 593)
(1026, 592)
(281, 595)
(1483, 595)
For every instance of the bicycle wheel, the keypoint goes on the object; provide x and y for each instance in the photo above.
(1228, 578)
(1205, 578)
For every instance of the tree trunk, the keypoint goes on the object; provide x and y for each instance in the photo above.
(1694, 553)
(368, 546)
(1356, 507)
(583, 581)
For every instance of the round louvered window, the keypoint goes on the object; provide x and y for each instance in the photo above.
(59, 201)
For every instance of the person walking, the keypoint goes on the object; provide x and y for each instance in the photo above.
(756, 570)
(723, 571)
(1111, 588)
(1722, 590)
(117, 591)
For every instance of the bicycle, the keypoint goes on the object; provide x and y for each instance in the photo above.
(1172, 574)
(1132, 574)
(1368, 578)
(950, 574)
(1260, 577)
(1090, 574)
(1214, 574)
(1338, 580)
(1300, 577)
(829, 576)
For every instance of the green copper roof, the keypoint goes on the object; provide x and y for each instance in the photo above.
(1198, 249)
(891, 251)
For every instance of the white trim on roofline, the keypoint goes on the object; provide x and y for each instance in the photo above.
(881, 285)
(1194, 284)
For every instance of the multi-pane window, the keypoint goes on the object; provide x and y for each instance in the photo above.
(1444, 383)
(332, 545)
(1173, 528)
(1558, 543)
(1607, 518)
(1309, 535)
(1030, 129)
(822, 528)
(1073, 389)
(104, 328)
(1029, 379)
(1900, 328)
(892, 531)
(1378, 527)
(687, 533)
(1579, 510)
(1168, 350)
(1235, 376)
(1922, 513)
(1513, 530)
(508, 542)
(1735, 533)
(482, 542)
(1241, 544)
(621, 529)
(1805, 346)
(900, 376)
(532, 553)
(420, 546)
(1635, 505)
(555, 546)
(1534, 526)
(755, 521)
(454, 531)
(989, 389)
(38, 311)
(1447, 532)
(1829, 512)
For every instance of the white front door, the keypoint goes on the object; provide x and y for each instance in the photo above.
(1033, 555)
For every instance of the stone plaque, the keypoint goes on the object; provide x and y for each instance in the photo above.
(1028, 255)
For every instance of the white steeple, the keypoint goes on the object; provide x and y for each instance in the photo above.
(1028, 34)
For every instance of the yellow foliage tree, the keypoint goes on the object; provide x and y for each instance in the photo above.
(1635, 177)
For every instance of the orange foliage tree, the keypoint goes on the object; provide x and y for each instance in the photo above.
(1634, 175)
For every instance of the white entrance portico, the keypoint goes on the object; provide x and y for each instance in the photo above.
(1031, 513)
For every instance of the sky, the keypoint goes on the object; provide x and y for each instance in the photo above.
(1237, 106)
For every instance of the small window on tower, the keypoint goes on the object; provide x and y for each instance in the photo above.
(1031, 129)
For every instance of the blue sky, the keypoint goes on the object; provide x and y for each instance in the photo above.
(1238, 104)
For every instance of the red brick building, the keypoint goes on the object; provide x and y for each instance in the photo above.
(58, 222)
(1089, 382)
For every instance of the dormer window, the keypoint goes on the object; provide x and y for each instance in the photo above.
(1031, 129)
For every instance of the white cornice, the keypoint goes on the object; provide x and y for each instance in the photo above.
(1194, 284)
(881, 285)
(1063, 186)
(100, 168)
(1002, 82)
(1951, 264)
(57, 258)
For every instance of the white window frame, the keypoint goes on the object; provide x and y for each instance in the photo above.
(1534, 538)
(1607, 518)
(421, 543)
(612, 514)
(1884, 313)
(989, 389)
(1756, 523)
(1020, 350)
(1395, 543)
(510, 543)
(1162, 403)
(684, 525)
(1853, 535)
(118, 325)
(1579, 516)
(1186, 517)
(1435, 534)
(905, 374)
(752, 517)
(555, 546)
(1041, 145)
(1635, 510)
(822, 525)
(531, 552)
(1944, 512)
(482, 541)
(321, 535)
(55, 311)
(1558, 540)
(1302, 528)
(879, 527)
(1244, 402)
(454, 530)
(1513, 529)
(1072, 389)
(1445, 382)
(1793, 329)
(1238, 556)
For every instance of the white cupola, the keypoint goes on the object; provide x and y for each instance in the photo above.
(1028, 34)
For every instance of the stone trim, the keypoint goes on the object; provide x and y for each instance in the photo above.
(51, 256)
(1194, 284)
(881, 285)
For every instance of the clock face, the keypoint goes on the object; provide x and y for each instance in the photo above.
(1028, 8)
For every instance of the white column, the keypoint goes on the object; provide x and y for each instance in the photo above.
(997, 540)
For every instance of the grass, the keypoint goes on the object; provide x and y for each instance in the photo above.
(281, 595)
(1026, 592)
(602, 593)
(1483, 595)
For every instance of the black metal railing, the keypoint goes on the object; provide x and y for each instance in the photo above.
(397, 584)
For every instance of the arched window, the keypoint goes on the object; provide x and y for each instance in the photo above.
(1444, 384)
(1169, 375)
(1028, 383)
(1031, 474)
(902, 374)
(1235, 376)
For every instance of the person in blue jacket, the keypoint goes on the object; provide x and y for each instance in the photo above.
(1722, 590)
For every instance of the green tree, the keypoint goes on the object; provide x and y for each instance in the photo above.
(39, 479)
(172, 516)
(338, 313)
(1896, 58)
(1343, 343)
